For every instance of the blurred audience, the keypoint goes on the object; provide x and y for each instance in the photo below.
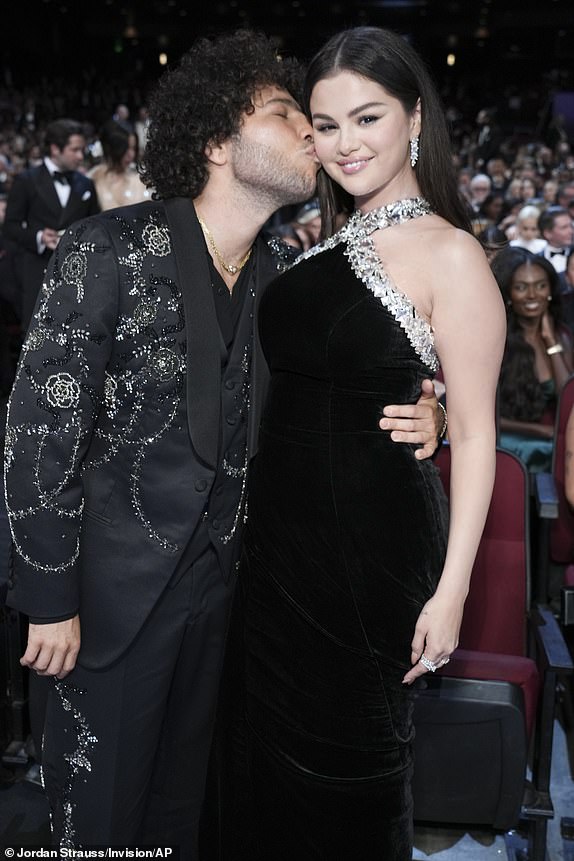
(10, 336)
(565, 197)
(304, 230)
(489, 137)
(499, 174)
(527, 232)
(122, 118)
(489, 213)
(479, 189)
(549, 192)
(141, 127)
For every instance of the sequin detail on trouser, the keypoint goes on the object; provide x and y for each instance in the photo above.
(77, 760)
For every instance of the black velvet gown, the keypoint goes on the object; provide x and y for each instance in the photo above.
(345, 542)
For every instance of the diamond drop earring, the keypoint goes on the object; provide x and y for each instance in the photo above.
(414, 150)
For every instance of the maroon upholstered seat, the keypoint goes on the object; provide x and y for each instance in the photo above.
(516, 670)
(479, 716)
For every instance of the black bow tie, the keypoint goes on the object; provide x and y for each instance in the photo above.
(554, 253)
(63, 177)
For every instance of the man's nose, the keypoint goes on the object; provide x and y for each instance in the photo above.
(306, 129)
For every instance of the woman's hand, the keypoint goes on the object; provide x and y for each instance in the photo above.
(436, 634)
(561, 358)
(547, 330)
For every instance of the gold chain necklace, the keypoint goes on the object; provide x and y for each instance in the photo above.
(233, 269)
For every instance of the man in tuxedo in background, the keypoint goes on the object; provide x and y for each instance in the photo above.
(43, 202)
(133, 417)
(555, 226)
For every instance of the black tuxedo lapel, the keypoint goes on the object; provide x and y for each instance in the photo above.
(203, 340)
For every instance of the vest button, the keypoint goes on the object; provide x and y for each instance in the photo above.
(200, 485)
(231, 420)
(215, 524)
(229, 384)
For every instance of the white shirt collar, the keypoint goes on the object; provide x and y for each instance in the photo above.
(52, 168)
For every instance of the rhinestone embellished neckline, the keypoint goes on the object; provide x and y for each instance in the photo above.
(387, 216)
(360, 250)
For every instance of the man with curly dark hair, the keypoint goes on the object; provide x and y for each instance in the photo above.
(131, 424)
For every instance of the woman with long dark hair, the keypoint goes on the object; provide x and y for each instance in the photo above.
(352, 585)
(116, 178)
(537, 357)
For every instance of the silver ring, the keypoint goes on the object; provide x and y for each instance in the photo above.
(428, 664)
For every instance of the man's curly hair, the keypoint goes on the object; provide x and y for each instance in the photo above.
(203, 100)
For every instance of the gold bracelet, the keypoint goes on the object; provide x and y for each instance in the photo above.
(444, 421)
(555, 348)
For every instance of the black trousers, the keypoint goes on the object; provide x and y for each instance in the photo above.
(126, 748)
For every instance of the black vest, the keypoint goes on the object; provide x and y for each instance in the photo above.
(224, 515)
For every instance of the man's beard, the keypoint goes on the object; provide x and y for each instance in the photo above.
(272, 178)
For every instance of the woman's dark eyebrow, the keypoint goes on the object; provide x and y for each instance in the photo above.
(354, 112)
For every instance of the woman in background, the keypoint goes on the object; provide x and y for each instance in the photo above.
(116, 178)
(537, 358)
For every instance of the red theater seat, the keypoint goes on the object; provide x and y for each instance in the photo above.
(478, 718)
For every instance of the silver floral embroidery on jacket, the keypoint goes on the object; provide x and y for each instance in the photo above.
(94, 387)
(36, 339)
(157, 240)
(110, 389)
(145, 313)
(62, 391)
(65, 397)
(164, 364)
(360, 250)
(74, 270)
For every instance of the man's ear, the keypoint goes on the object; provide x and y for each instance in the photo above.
(216, 153)
(54, 153)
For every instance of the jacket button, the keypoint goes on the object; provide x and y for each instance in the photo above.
(231, 420)
(229, 384)
(200, 485)
(215, 524)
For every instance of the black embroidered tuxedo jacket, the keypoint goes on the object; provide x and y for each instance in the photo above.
(114, 419)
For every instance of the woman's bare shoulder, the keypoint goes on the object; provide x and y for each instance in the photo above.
(453, 247)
